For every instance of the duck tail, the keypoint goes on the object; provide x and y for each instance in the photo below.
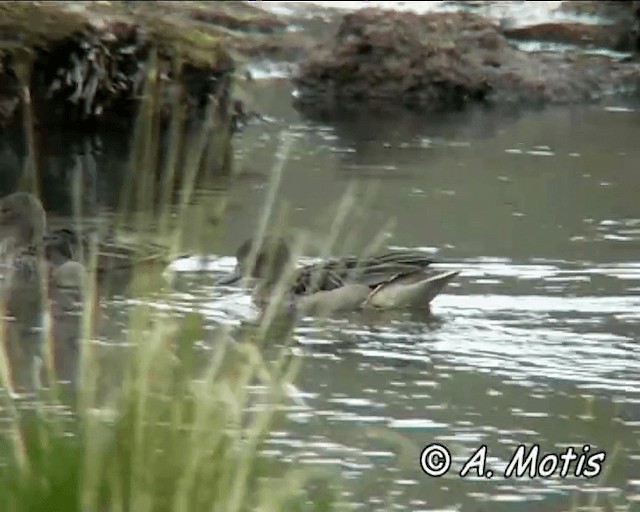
(437, 283)
(399, 293)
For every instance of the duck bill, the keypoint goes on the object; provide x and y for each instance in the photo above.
(231, 278)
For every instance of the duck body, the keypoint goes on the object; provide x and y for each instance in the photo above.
(32, 289)
(66, 244)
(22, 225)
(400, 279)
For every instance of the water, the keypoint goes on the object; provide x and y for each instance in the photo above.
(535, 343)
(516, 13)
(523, 12)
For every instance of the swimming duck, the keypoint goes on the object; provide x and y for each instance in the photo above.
(399, 279)
(32, 289)
(24, 212)
(22, 226)
(66, 244)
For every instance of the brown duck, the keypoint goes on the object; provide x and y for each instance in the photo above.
(399, 279)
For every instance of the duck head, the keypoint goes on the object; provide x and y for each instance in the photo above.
(22, 218)
(266, 261)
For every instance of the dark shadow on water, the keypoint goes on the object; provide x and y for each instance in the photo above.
(92, 166)
(423, 318)
(400, 124)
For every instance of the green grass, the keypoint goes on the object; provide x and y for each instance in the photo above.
(176, 433)
(172, 437)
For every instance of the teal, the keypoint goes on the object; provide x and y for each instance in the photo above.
(398, 279)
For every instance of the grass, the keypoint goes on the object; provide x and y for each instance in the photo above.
(162, 441)
(178, 433)
(172, 437)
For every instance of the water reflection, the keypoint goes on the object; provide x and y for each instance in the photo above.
(70, 166)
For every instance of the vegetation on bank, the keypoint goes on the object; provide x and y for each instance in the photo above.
(198, 30)
(84, 62)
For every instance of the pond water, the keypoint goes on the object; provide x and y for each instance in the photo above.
(536, 342)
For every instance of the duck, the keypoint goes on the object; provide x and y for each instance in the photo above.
(68, 283)
(113, 256)
(32, 290)
(391, 280)
(24, 211)
(22, 226)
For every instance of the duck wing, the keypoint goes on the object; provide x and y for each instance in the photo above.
(24, 267)
(417, 259)
(21, 286)
(372, 271)
(316, 277)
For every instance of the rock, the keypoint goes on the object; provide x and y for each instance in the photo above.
(606, 10)
(608, 24)
(444, 61)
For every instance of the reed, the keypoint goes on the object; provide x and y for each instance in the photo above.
(178, 431)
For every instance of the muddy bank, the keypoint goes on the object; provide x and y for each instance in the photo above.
(445, 61)
(610, 25)
(78, 68)
(85, 63)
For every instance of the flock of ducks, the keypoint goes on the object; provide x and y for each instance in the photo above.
(46, 271)
(32, 256)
